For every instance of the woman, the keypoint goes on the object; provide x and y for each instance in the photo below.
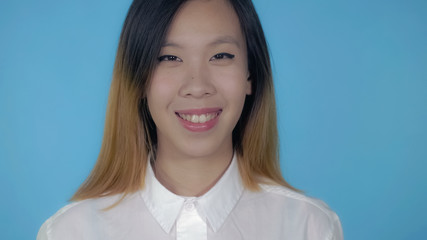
(190, 143)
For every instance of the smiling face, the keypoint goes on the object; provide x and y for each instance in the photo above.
(198, 89)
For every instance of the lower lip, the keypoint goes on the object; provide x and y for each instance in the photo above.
(199, 127)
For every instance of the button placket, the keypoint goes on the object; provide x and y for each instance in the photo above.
(190, 226)
(189, 206)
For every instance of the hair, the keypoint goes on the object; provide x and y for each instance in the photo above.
(130, 133)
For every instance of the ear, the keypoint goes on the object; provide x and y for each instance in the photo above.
(249, 85)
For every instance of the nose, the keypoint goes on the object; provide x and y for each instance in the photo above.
(198, 82)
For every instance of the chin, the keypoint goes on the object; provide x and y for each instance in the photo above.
(201, 149)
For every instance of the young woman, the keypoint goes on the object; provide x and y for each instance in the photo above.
(190, 143)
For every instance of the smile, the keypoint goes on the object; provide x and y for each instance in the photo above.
(199, 120)
(195, 118)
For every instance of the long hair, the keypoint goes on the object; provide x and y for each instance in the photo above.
(130, 133)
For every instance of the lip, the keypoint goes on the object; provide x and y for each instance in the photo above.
(199, 127)
(199, 111)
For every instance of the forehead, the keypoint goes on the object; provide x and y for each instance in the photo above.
(212, 20)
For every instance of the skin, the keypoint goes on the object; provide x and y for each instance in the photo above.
(203, 64)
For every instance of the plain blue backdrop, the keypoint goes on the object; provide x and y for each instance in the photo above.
(351, 85)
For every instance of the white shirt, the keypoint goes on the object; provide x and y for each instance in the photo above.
(227, 211)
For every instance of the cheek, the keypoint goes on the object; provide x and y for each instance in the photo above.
(162, 85)
(233, 85)
(160, 93)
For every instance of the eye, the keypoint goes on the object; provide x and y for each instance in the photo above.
(220, 56)
(169, 58)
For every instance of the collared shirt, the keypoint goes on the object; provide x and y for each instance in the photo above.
(226, 211)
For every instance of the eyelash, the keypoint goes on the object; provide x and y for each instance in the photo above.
(169, 58)
(217, 56)
(222, 56)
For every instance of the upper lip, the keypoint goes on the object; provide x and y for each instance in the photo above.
(199, 111)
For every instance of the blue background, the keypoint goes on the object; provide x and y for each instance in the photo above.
(351, 84)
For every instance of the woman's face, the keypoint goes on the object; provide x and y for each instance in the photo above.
(198, 88)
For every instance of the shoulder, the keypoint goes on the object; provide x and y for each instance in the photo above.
(65, 218)
(70, 221)
(77, 220)
(305, 215)
(288, 197)
(46, 229)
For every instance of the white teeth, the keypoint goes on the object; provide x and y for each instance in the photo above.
(195, 119)
(198, 118)
(202, 118)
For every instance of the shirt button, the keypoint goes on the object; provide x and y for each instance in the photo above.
(189, 206)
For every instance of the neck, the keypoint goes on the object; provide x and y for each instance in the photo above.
(191, 176)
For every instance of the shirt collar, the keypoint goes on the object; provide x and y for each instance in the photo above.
(215, 205)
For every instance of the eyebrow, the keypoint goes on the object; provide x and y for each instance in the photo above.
(225, 39)
(220, 40)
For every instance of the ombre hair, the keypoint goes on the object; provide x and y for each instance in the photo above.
(130, 133)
